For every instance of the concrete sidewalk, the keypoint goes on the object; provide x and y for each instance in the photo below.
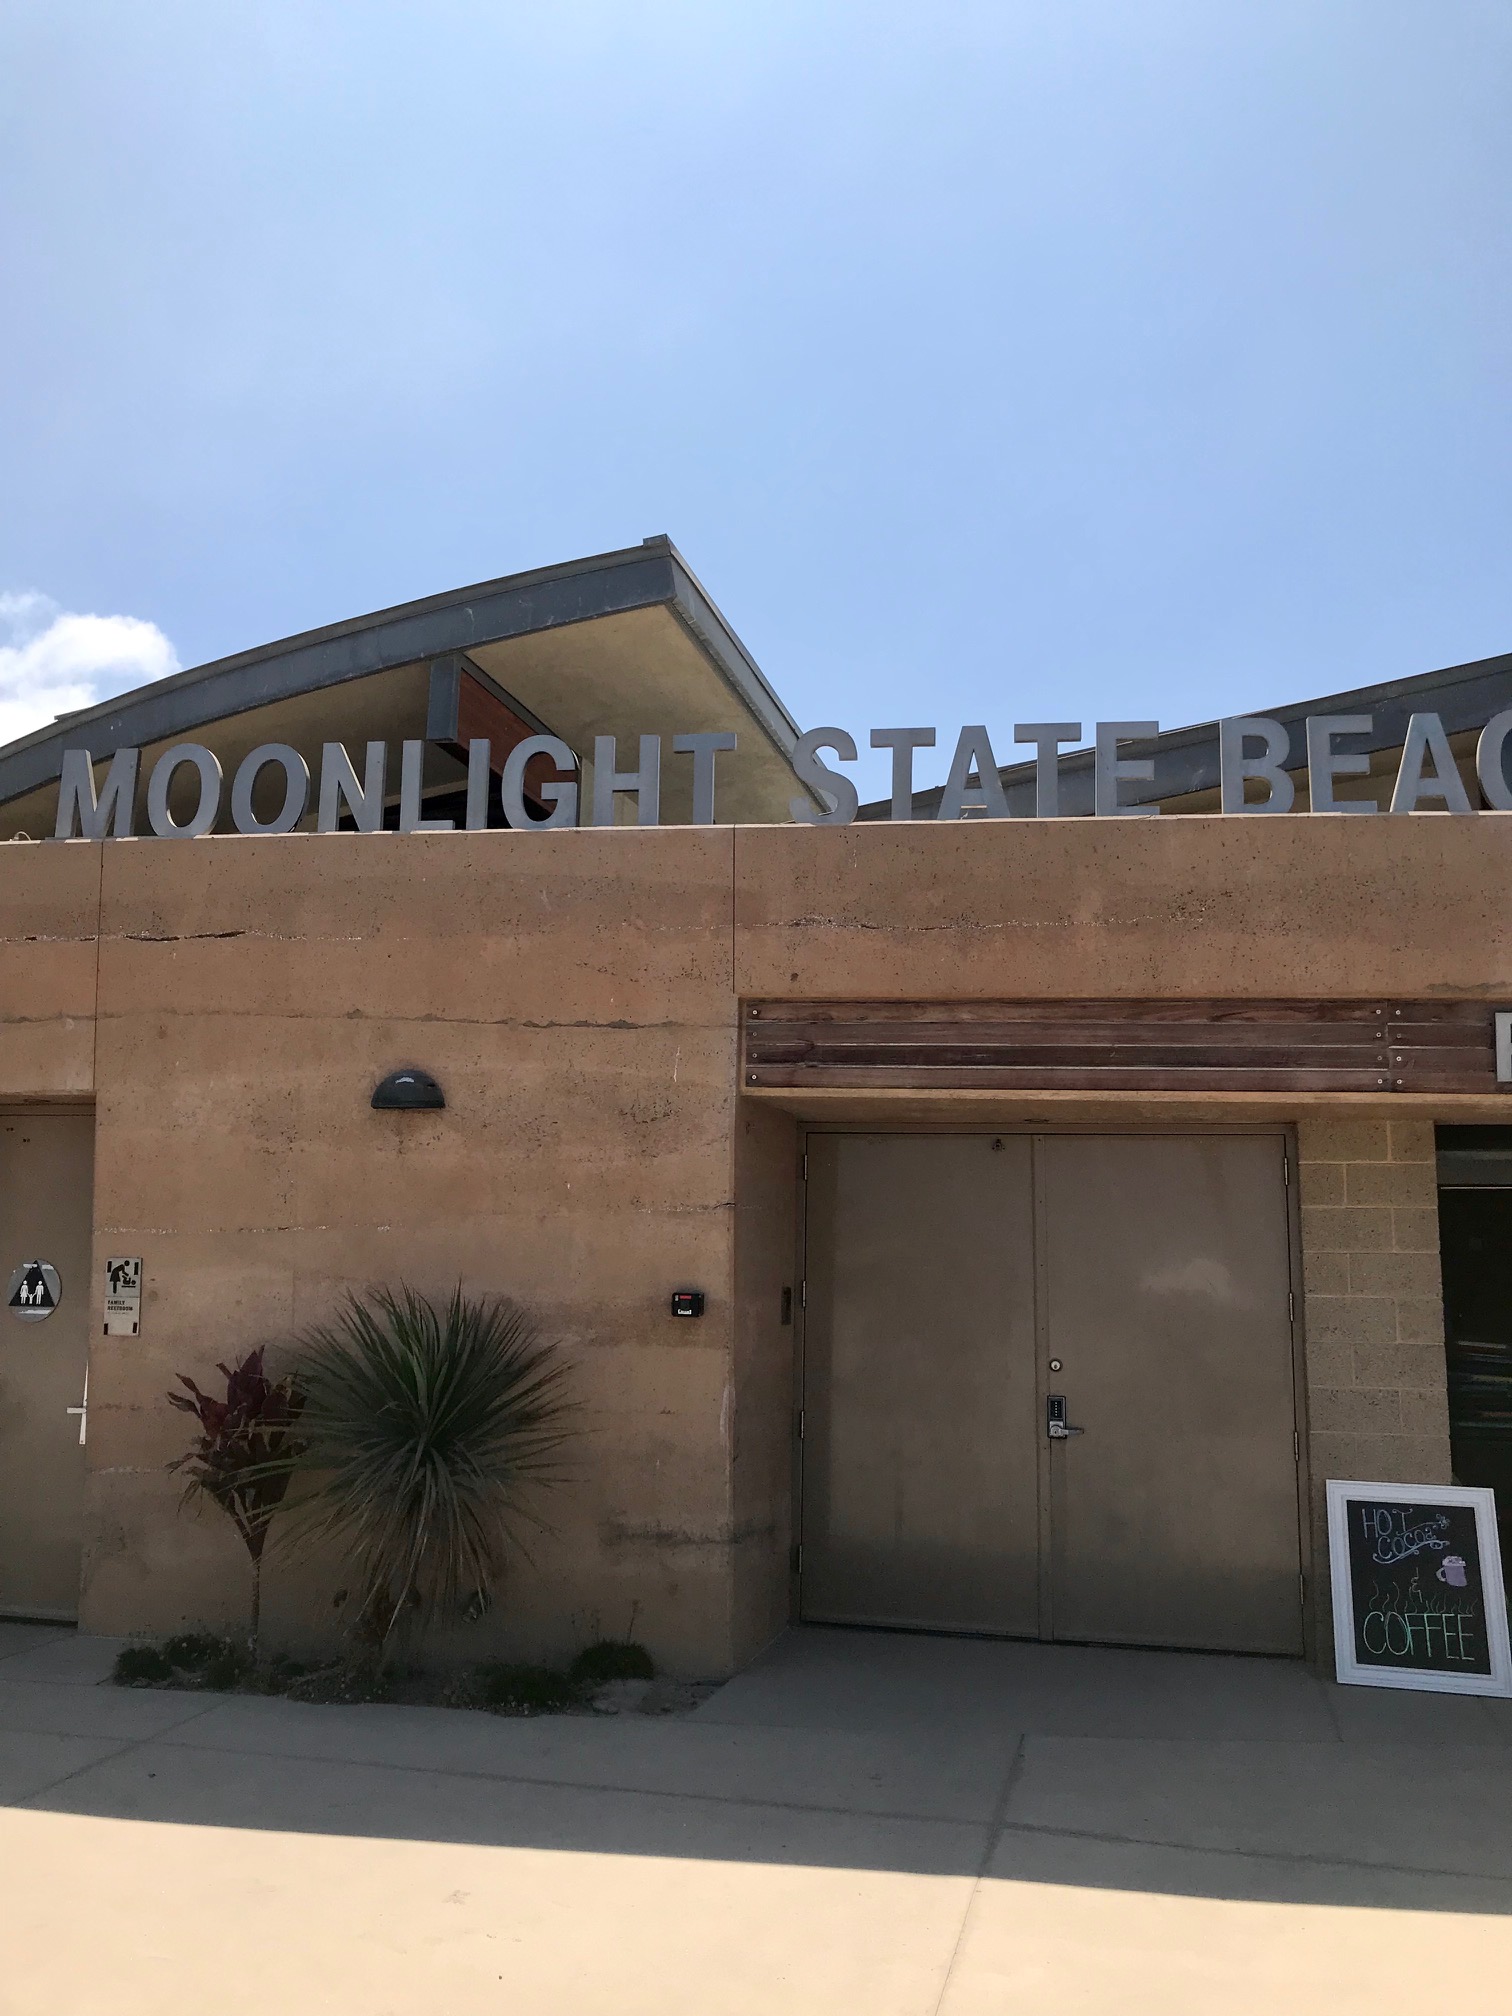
(861, 1823)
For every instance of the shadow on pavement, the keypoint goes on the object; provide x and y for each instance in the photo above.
(1159, 1773)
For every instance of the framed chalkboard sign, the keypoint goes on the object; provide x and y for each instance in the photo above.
(1417, 1588)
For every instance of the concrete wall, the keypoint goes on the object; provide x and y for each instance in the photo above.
(49, 970)
(250, 994)
(1181, 908)
(228, 1004)
(764, 1396)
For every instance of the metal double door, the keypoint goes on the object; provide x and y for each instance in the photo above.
(1048, 1388)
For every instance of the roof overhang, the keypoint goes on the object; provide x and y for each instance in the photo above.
(621, 643)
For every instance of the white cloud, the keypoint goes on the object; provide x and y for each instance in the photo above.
(53, 662)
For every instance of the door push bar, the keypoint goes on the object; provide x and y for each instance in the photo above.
(1057, 1427)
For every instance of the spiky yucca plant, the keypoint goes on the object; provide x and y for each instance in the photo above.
(429, 1432)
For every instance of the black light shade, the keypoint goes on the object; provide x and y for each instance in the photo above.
(407, 1090)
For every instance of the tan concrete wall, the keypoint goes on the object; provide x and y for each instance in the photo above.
(1181, 908)
(764, 1395)
(49, 920)
(1377, 1403)
(577, 994)
(574, 1003)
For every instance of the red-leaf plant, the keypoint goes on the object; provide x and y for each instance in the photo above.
(245, 1454)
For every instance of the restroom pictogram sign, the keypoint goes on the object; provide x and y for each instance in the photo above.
(35, 1290)
(123, 1298)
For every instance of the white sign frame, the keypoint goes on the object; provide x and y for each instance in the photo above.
(1481, 1501)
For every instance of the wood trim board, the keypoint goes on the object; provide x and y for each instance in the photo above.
(1121, 1045)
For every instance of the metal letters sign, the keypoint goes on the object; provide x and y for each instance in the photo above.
(1257, 760)
(1417, 1588)
(35, 1291)
(1255, 764)
(123, 1298)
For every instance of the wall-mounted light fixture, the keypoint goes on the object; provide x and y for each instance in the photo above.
(408, 1090)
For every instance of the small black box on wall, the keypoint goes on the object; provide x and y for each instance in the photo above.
(687, 1302)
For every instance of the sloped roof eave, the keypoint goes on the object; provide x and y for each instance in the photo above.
(516, 605)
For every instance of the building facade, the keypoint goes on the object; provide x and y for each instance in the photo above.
(1063, 1193)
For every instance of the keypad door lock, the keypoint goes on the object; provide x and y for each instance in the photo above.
(1057, 1427)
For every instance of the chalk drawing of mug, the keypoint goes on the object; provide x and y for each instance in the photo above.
(1452, 1570)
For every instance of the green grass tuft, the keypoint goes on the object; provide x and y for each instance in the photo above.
(611, 1659)
(141, 1666)
(190, 1659)
(524, 1690)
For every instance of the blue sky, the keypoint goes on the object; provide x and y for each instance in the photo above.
(987, 362)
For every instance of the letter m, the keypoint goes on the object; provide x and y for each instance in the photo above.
(79, 812)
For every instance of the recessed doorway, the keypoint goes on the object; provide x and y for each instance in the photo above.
(46, 1196)
(1049, 1388)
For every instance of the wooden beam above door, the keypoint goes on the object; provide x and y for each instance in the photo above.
(1121, 1046)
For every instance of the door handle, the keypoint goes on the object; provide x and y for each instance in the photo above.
(82, 1410)
(1057, 1427)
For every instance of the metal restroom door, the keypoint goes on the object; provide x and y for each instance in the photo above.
(920, 1426)
(1174, 1515)
(46, 1193)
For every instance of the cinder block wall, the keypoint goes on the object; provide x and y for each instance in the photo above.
(1377, 1399)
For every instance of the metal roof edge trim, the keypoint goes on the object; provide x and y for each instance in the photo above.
(1390, 703)
(702, 617)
